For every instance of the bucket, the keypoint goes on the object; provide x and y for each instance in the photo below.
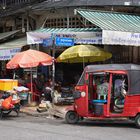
(98, 107)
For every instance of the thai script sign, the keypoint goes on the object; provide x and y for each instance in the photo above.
(63, 41)
(7, 54)
(121, 38)
(79, 37)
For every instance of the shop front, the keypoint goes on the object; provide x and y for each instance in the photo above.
(120, 33)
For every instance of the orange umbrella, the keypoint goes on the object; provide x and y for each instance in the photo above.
(28, 59)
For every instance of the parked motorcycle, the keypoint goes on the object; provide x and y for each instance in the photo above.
(119, 100)
(9, 102)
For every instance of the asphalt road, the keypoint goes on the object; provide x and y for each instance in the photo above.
(41, 128)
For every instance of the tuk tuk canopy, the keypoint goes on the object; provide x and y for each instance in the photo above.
(133, 73)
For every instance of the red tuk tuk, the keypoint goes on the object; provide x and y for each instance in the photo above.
(107, 91)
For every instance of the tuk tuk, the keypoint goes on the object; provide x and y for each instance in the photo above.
(107, 91)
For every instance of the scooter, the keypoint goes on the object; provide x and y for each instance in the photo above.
(9, 102)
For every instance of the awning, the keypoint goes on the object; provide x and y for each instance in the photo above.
(9, 49)
(80, 35)
(8, 34)
(117, 28)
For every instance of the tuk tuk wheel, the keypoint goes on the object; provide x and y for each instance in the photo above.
(137, 121)
(72, 117)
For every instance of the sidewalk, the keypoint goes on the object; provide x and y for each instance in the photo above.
(32, 111)
(58, 111)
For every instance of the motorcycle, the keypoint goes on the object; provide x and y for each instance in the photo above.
(9, 102)
(119, 100)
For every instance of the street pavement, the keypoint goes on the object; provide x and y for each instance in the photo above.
(30, 127)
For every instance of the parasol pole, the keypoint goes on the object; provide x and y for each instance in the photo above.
(53, 66)
(14, 75)
(53, 75)
(31, 84)
(83, 63)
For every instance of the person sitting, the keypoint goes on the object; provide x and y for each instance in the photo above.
(120, 87)
(102, 89)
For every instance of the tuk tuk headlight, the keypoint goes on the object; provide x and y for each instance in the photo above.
(83, 94)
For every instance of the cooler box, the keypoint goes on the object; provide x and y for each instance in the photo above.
(8, 84)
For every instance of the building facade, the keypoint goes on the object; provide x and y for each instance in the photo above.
(28, 15)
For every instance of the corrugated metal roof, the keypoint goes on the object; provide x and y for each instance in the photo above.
(112, 20)
(59, 30)
(17, 43)
(8, 34)
(73, 3)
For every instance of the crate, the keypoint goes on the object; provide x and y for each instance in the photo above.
(8, 84)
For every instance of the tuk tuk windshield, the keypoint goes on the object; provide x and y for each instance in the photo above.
(81, 80)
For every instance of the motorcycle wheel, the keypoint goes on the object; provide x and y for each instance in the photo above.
(72, 117)
(118, 103)
(5, 113)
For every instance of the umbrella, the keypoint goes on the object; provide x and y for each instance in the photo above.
(86, 53)
(83, 53)
(29, 59)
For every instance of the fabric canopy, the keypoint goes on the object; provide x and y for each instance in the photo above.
(113, 21)
(117, 28)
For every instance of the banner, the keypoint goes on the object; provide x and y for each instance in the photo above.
(79, 37)
(121, 38)
(37, 37)
(7, 54)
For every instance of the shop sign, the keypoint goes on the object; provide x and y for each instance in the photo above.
(97, 40)
(121, 38)
(88, 37)
(47, 42)
(7, 54)
(63, 41)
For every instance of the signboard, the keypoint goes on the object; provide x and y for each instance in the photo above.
(97, 40)
(87, 37)
(63, 41)
(121, 38)
(47, 42)
(7, 54)
(37, 37)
